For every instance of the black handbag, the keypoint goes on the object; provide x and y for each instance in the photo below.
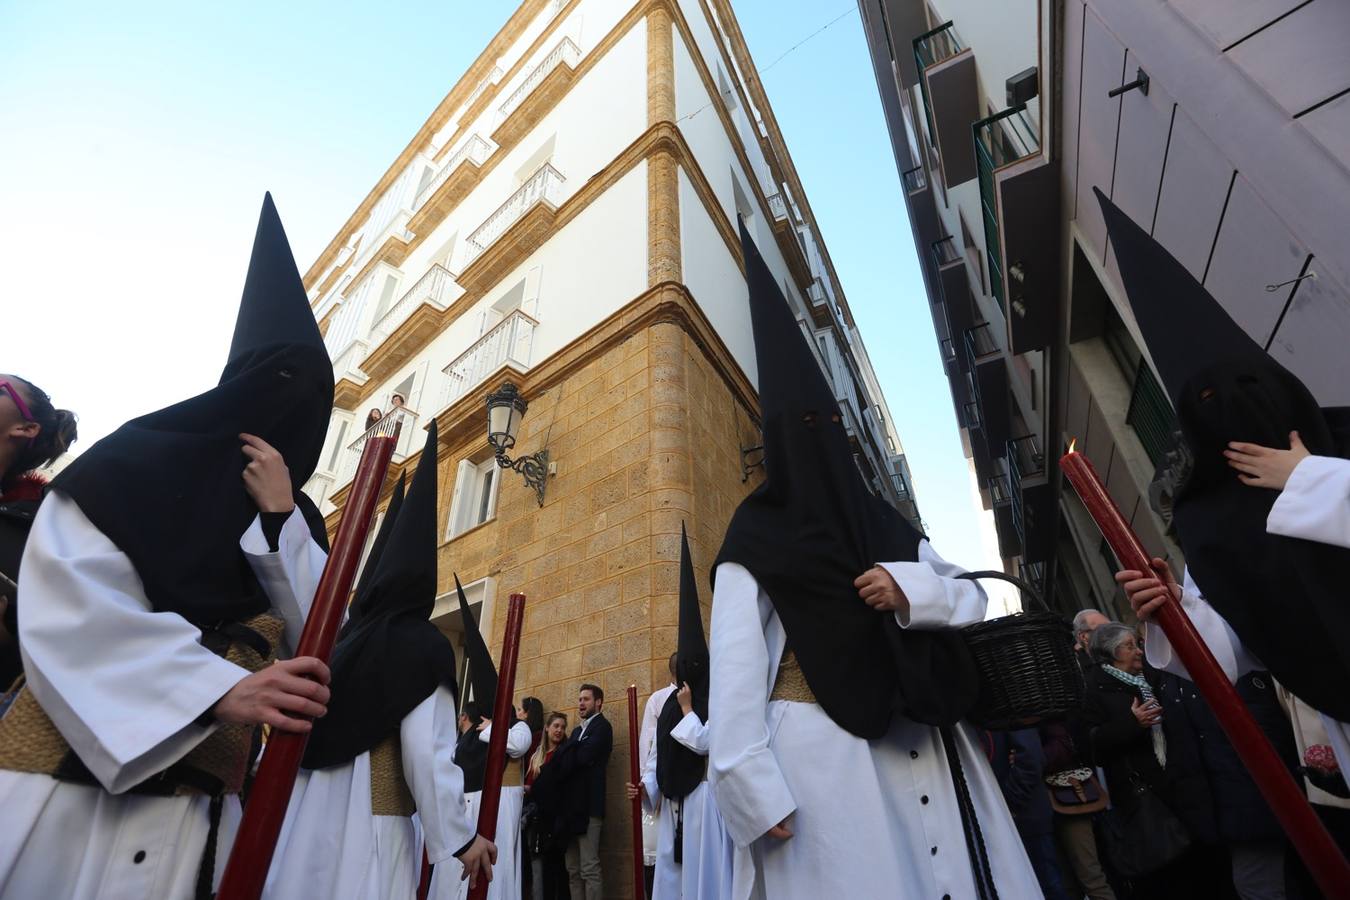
(1143, 835)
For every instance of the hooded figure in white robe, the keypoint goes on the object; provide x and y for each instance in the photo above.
(152, 587)
(1246, 546)
(839, 761)
(674, 776)
(507, 883)
(385, 749)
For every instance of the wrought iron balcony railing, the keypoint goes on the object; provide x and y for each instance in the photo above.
(931, 48)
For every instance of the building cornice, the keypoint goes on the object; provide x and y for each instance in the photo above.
(477, 71)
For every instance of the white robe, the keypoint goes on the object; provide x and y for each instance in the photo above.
(705, 873)
(124, 686)
(869, 818)
(333, 846)
(651, 711)
(1314, 506)
(447, 881)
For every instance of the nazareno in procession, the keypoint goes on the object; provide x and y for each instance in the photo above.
(163, 735)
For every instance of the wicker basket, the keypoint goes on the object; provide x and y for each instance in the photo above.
(1026, 664)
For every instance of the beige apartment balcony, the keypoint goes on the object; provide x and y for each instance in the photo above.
(517, 228)
(407, 325)
(543, 87)
(509, 343)
(456, 178)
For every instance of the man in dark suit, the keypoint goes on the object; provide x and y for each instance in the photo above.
(579, 769)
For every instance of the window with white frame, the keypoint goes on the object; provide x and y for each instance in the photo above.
(336, 453)
(475, 498)
(387, 292)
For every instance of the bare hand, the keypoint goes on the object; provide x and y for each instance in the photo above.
(1148, 592)
(266, 477)
(632, 790)
(478, 860)
(686, 698)
(483, 725)
(779, 831)
(278, 695)
(1146, 714)
(878, 590)
(1266, 467)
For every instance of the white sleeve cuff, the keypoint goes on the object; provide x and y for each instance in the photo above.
(692, 733)
(753, 797)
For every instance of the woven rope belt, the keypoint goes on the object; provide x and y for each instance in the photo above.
(389, 794)
(790, 683)
(30, 742)
(512, 775)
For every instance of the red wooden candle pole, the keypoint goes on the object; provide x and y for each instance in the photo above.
(503, 717)
(246, 872)
(1320, 853)
(635, 777)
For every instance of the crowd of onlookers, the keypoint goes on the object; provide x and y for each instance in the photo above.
(1141, 794)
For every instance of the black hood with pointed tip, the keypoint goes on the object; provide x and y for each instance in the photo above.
(482, 671)
(813, 526)
(362, 596)
(1282, 596)
(679, 769)
(394, 657)
(167, 488)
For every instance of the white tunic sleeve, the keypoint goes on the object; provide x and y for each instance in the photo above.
(650, 713)
(692, 733)
(427, 735)
(122, 683)
(747, 781)
(1315, 503)
(1214, 630)
(518, 739)
(291, 574)
(651, 791)
(937, 598)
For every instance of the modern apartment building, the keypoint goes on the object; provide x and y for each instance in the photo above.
(1222, 128)
(566, 220)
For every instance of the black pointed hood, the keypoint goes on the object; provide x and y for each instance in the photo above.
(813, 526)
(361, 598)
(1282, 596)
(482, 672)
(167, 487)
(679, 769)
(1171, 307)
(394, 657)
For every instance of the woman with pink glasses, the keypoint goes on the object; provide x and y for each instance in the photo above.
(32, 435)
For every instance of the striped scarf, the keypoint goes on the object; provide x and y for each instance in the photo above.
(1140, 684)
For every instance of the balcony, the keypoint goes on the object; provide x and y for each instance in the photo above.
(411, 322)
(458, 175)
(348, 361)
(319, 486)
(778, 207)
(510, 342)
(948, 354)
(1019, 205)
(951, 99)
(985, 362)
(542, 88)
(1150, 414)
(1004, 509)
(1034, 575)
(527, 215)
(493, 77)
(914, 180)
(398, 420)
(1033, 500)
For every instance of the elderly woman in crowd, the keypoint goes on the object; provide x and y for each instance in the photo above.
(1147, 841)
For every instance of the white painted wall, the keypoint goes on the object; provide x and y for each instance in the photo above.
(1005, 38)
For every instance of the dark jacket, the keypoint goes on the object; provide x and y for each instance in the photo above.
(1122, 748)
(17, 509)
(1214, 793)
(572, 785)
(471, 757)
(1019, 765)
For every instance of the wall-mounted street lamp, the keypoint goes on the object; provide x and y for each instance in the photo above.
(505, 409)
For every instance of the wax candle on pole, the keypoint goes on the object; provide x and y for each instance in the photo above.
(1309, 837)
(635, 777)
(251, 857)
(503, 717)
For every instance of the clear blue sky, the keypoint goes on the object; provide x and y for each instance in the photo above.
(139, 138)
